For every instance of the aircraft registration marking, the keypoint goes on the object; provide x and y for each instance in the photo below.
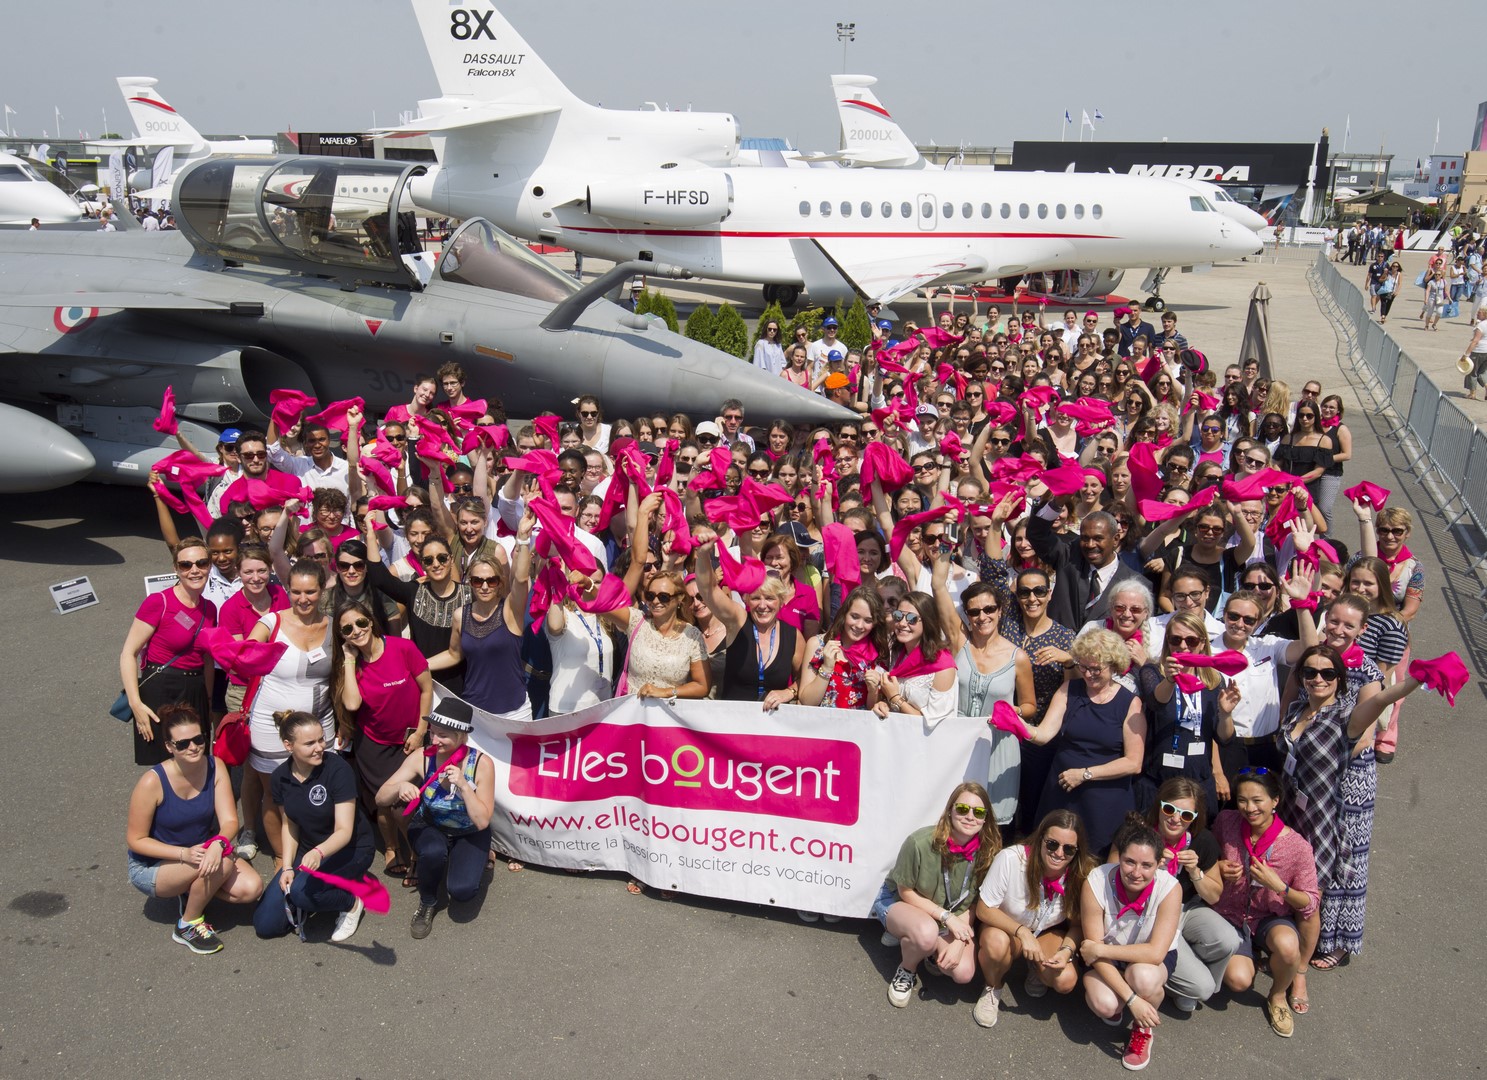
(69, 319)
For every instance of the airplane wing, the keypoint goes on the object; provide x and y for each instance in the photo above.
(826, 268)
(128, 301)
(491, 112)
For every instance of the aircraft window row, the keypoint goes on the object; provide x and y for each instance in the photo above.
(967, 210)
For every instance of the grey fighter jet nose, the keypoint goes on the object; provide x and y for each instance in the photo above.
(37, 455)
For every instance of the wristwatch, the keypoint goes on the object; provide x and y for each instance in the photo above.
(1087, 775)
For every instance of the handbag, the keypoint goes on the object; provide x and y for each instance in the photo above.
(120, 709)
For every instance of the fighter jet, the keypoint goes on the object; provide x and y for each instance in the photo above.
(266, 285)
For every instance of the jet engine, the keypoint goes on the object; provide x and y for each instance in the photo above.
(37, 455)
(681, 198)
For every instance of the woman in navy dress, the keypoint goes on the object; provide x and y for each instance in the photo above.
(1101, 732)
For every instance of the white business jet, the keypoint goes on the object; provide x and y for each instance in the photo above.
(157, 124)
(517, 147)
(26, 194)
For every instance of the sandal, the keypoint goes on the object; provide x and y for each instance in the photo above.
(634, 888)
(410, 876)
(1280, 1019)
(515, 867)
(398, 869)
(1327, 961)
(1299, 1005)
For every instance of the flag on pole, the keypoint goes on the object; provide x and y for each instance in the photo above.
(1098, 116)
(1085, 122)
(1067, 118)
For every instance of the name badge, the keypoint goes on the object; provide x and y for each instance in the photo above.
(1173, 761)
(1290, 765)
(315, 655)
(185, 621)
(1196, 749)
(1301, 801)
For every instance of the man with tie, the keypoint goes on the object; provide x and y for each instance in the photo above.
(1084, 572)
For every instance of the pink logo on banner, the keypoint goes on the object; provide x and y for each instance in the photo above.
(810, 779)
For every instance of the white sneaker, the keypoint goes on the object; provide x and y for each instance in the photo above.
(985, 1012)
(246, 845)
(807, 916)
(831, 918)
(347, 922)
(1033, 986)
(900, 988)
(889, 941)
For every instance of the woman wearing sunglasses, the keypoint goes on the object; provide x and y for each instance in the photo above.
(1104, 739)
(1307, 451)
(180, 816)
(1190, 712)
(383, 690)
(1319, 740)
(1210, 443)
(928, 899)
(1205, 941)
(1269, 879)
(667, 656)
(163, 662)
(989, 669)
(430, 600)
(922, 679)
(1046, 644)
(1129, 916)
(487, 632)
(1257, 713)
(763, 652)
(1029, 908)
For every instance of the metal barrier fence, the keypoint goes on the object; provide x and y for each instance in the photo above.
(1446, 442)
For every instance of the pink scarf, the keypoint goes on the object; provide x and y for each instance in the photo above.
(288, 407)
(433, 778)
(1229, 662)
(1172, 864)
(1258, 848)
(1110, 625)
(1368, 492)
(966, 851)
(840, 545)
(1446, 675)
(1004, 718)
(166, 423)
(1137, 905)
(333, 416)
(368, 890)
(1187, 682)
(1353, 657)
(915, 664)
(1399, 557)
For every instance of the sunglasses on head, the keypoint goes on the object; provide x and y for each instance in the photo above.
(1053, 847)
(977, 812)
(360, 623)
(1187, 816)
(1253, 770)
(180, 745)
(187, 564)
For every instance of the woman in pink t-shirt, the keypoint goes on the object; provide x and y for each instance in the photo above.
(174, 666)
(383, 692)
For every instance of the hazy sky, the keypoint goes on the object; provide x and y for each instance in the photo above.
(1259, 71)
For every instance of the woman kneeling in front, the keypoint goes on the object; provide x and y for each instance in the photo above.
(1029, 907)
(1130, 913)
(454, 786)
(180, 816)
(926, 901)
(323, 830)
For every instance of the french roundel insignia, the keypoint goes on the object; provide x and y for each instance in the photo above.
(68, 319)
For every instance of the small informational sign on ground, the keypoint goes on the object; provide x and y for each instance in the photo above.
(74, 594)
(158, 583)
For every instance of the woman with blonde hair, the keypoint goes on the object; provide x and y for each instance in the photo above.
(929, 898)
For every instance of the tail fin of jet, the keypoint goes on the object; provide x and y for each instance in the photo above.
(869, 134)
(155, 121)
(479, 57)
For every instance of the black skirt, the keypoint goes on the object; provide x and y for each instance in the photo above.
(169, 686)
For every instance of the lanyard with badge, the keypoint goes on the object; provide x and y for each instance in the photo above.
(1189, 722)
(594, 633)
(965, 887)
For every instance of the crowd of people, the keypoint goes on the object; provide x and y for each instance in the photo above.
(1123, 559)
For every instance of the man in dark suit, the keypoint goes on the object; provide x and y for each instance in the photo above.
(1085, 571)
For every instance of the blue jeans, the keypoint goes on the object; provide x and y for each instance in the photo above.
(271, 919)
(463, 857)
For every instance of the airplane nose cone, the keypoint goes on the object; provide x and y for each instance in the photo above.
(37, 455)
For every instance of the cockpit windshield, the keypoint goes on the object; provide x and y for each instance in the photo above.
(483, 256)
(18, 173)
(339, 216)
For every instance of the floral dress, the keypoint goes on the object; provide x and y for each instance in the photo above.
(846, 686)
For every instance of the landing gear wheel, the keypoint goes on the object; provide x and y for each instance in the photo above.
(771, 293)
(1155, 303)
(786, 295)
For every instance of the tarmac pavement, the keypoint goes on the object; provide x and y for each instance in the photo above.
(555, 975)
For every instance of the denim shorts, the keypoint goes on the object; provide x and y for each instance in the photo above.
(1262, 930)
(142, 874)
(886, 898)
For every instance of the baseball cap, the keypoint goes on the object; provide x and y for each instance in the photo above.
(649, 450)
(707, 427)
(836, 354)
(926, 409)
(829, 321)
(884, 324)
(229, 437)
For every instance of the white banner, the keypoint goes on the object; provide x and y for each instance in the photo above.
(116, 184)
(801, 808)
(164, 169)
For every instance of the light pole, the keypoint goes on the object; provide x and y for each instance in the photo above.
(845, 32)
